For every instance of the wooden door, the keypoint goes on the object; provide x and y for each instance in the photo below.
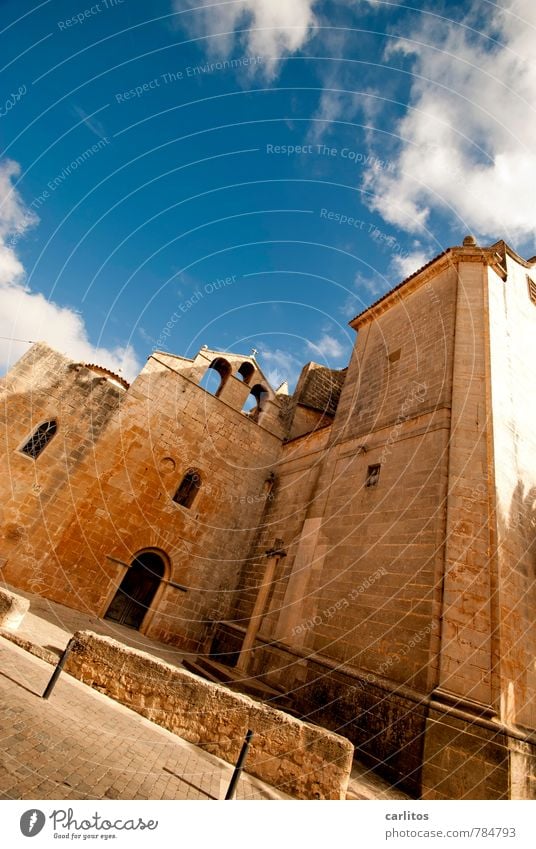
(137, 591)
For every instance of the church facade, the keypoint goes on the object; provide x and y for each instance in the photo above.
(366, 545)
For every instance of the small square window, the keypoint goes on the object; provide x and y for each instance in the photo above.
(394, 356)
(532, 290)
(373, 475)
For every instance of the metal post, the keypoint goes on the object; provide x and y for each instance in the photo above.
(57, 672)
(239, 766)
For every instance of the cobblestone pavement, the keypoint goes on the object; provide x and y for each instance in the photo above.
(82, 745)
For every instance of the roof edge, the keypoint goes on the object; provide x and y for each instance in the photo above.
(108, 373)
(491, 254)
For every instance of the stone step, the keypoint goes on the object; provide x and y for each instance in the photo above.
(227, 673)
(237, 681)
(197, 669)
(218, 671)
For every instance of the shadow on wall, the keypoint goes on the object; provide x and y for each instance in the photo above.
(521, 521)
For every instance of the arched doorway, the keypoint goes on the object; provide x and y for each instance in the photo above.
(137, 590)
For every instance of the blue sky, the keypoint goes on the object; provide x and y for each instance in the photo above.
(249, 174)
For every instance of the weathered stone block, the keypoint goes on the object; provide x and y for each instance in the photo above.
(13, 608)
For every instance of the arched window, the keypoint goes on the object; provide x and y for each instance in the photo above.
(39, 439)
(260, 394)
(216, 376)
(246, 372)
(187, 491)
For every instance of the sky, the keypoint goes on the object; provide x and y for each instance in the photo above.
(252, 173)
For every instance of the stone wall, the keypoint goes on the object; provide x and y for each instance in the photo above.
(430, 748)
(320, 388)
(35, 495)
(401, 353)
(466, 619)
(102, 491)
(300, 759)
(297, 478)
(463, 760)
(513, 394)
(315, 400)
(361, 582)
(487, 624)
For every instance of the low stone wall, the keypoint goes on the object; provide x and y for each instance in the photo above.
(300, 759)
(12, 609)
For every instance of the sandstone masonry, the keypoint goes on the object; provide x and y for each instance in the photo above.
(366, 545)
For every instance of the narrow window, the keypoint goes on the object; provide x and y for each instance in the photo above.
(187, 491)
(373, 475)
(39, 439)
(532, 290)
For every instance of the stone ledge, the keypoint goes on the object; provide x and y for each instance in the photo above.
(13, 609)
(303, 760)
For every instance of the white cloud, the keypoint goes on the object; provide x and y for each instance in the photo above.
(370, 285)
(276, 27)
(14, 218)
(333, 106)
(467, 141)
(327, 346)
(344, 94)
(403, 265)
(28, 315)
(11, 268)
(280, 366)
(373, 284)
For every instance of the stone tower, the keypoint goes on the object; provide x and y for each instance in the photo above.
(402, 613)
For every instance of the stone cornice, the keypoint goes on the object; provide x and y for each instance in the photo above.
(493, 256)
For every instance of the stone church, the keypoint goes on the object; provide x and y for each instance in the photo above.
(364, 548)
